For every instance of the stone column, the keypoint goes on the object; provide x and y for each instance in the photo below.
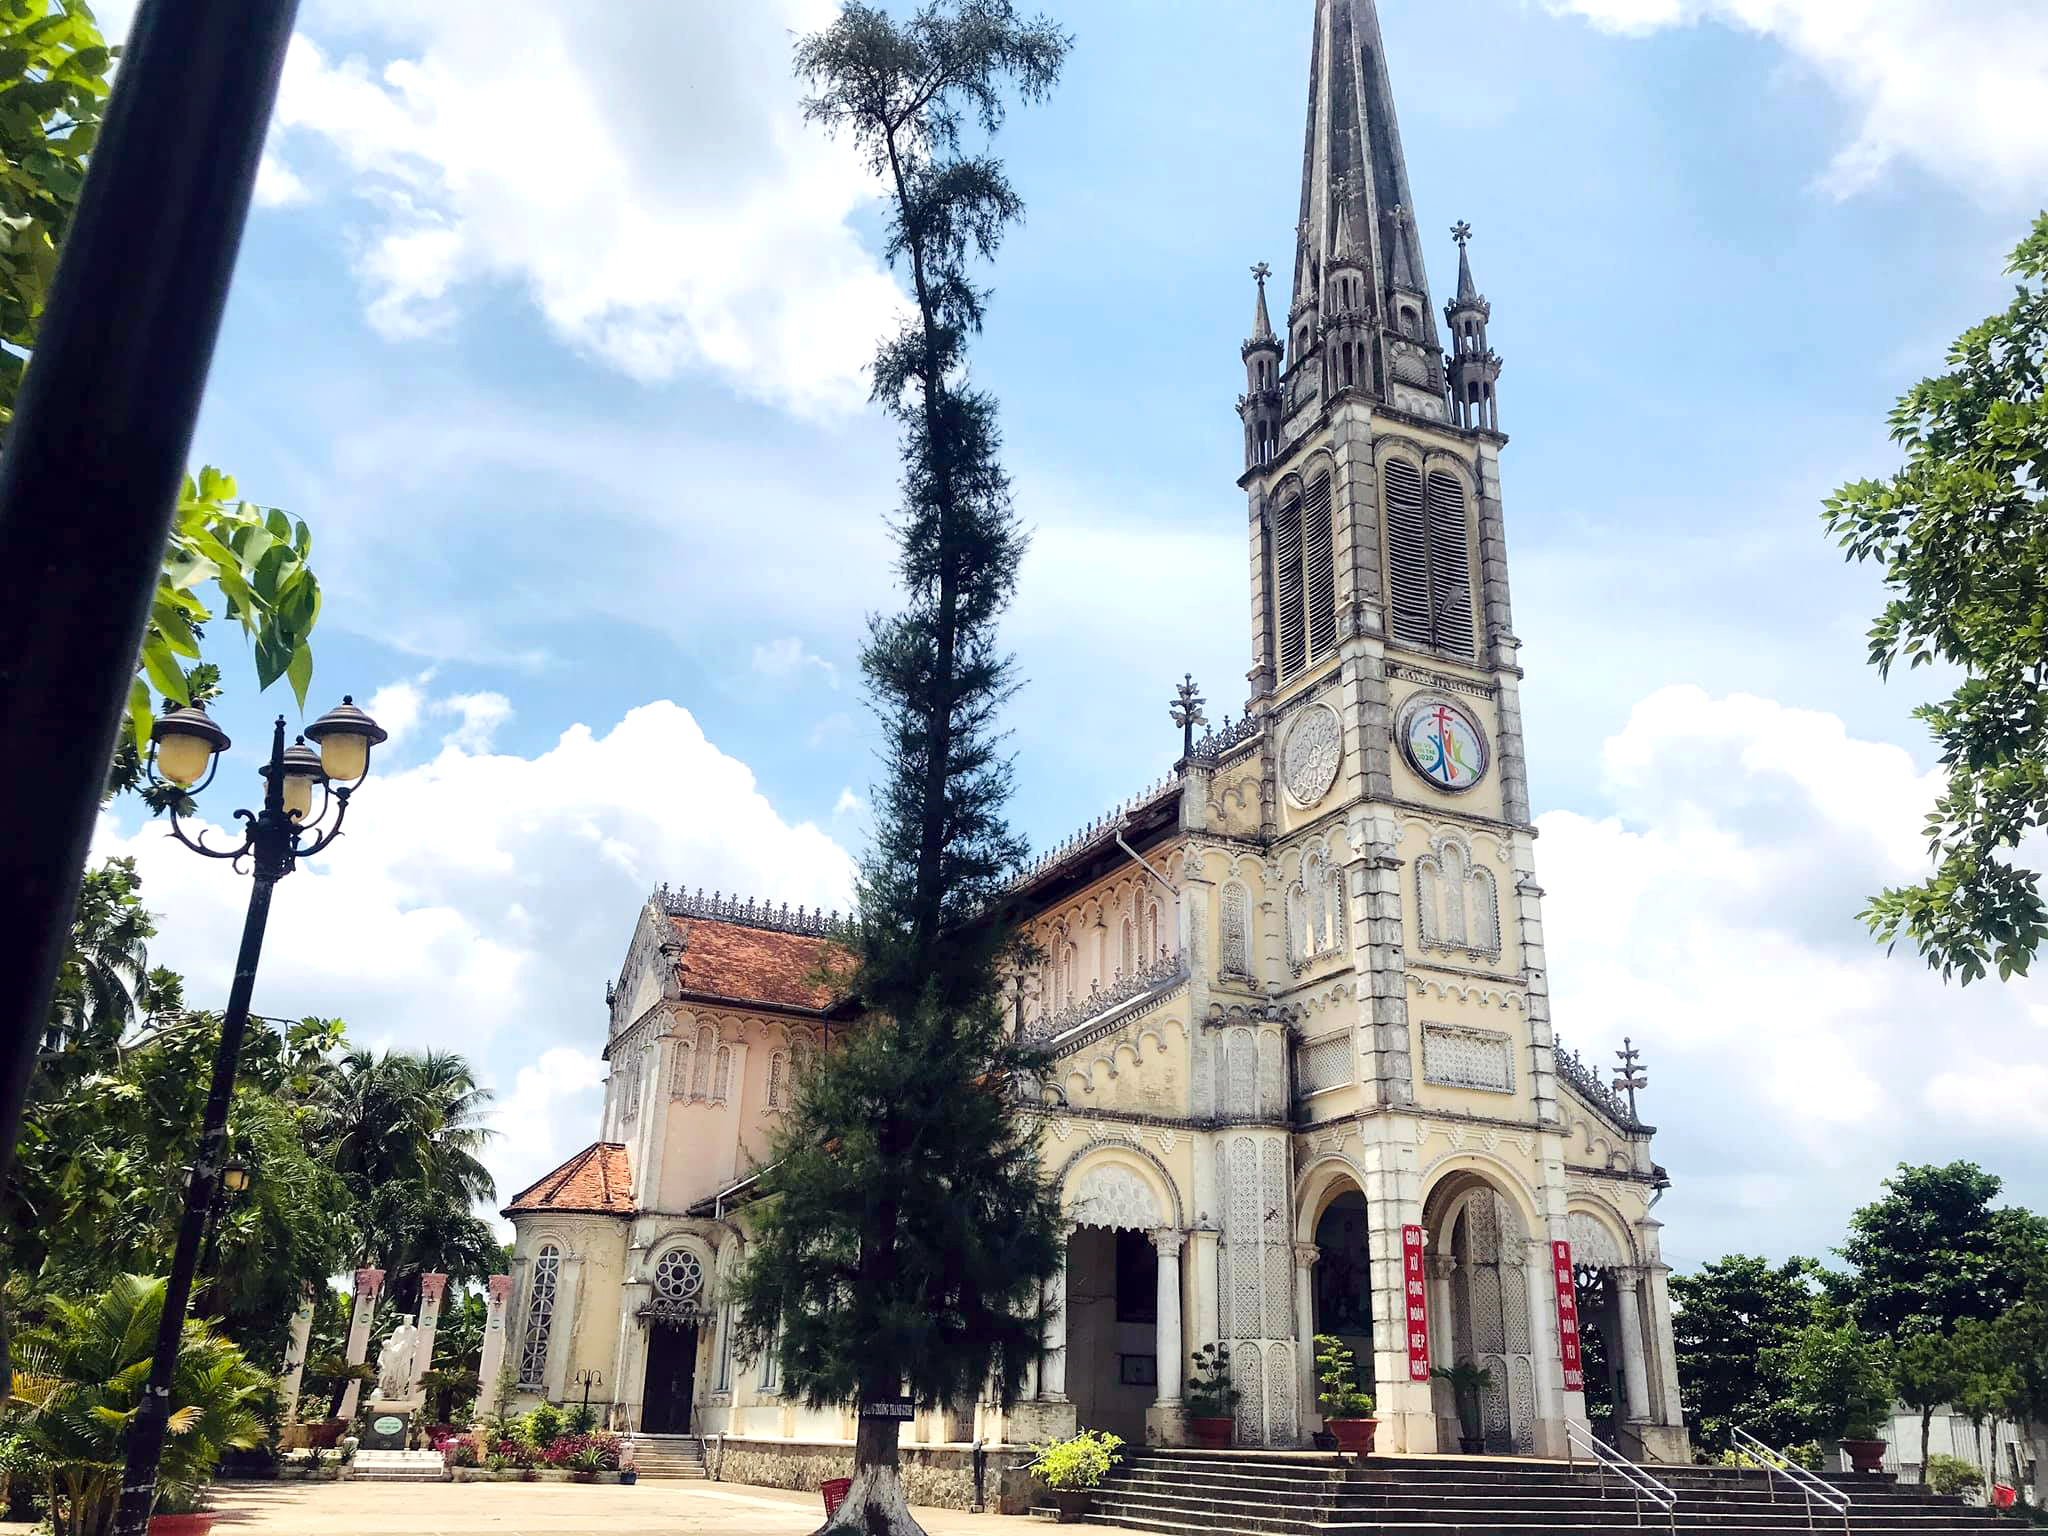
(1052, 1376)
(432, 1289)
(499, 1288)
(1671, 1411)
(295, 1355)
(369, 1285)
(1549, 1364)
(1202, 1255)
(1167, 1244)
(1305, 1256)
(1166, 1420)
(1634, 1363)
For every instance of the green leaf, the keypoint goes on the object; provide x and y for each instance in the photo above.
(163, 670)
(299, 671)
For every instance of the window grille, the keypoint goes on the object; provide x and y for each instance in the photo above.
(1325, 1064)
(1429, 562)
(700, 1083)
(1467, 1058)
(768, 1364)
(1236, 930)
(678, 1277)
(1319, 564)
(679, 1074)
(1450, 566)
(721, 1083)
(777, 1070)
(540, 1318)
(1407, 553)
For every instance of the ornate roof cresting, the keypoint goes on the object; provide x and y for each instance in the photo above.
(720, 908)
(1168, 971)
(1586, 1083)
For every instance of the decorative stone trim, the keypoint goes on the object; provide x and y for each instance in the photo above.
(1455, 1056)
(1432, 679)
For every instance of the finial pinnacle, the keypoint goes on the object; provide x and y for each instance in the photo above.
(1461, 232)
(1261, 272)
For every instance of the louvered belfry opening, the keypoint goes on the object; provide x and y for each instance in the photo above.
(1305, 578)
(1429, 564)
(1287, 587)
(1450, 566)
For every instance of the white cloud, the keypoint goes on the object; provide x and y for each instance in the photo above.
(1955, 88)
(1996, 1097)
(786, 657)
(481, 715)
(1713, 918)
(656, 194)
(551, 1111)
(478, 903)
(278, 185)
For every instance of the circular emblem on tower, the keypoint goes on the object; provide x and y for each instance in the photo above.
(1312, 753)
(1442, 741)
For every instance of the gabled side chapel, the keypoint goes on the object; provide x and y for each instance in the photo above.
(1306, 1079)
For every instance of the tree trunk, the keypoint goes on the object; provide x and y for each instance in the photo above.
(875, 1504)
(1926, 1438)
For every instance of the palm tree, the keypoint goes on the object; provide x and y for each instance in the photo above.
(406, 1130)
(105, 970)
(81, 1375)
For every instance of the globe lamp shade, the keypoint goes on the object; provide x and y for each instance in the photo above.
(186, 740)
(301, 772)
(345, 735)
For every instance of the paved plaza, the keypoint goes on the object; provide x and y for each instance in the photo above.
(548, 1509)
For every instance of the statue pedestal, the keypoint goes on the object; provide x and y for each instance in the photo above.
(388, 1425)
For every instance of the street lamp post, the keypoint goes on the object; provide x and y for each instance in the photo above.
(587, 1379)
(184, 752)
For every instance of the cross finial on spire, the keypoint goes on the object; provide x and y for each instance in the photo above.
(1186, 712)
(1629, 1077)
(1261, 272)
(1461, 232)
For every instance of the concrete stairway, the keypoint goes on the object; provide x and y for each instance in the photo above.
(668, 1456)
(398, 1467)
(1206, 1493)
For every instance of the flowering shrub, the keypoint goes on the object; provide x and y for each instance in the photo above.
(460, 1450)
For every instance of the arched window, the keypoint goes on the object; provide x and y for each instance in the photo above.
(1429, 567)
(1315, 908)
(1305, 579)
(540, 1318)
(700, 1082)
(1128, 951)
(721, 1083)
(1457, 901)
(679, 1073)
(778, 1071)
(1237, 952)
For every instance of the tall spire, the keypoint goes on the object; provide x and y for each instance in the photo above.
(1354, 178)
(1262, 322)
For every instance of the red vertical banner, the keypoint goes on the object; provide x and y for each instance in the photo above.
(1568, 1318)
(1415, 1288)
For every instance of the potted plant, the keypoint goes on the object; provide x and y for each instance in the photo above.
(1074, 1469)
(1467, 1381)
(80, 1373)
(1210, 1399)
(1839, 1384)
(182, 1512)
(1347, 1412)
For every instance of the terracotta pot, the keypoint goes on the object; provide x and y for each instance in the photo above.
(1213, 1434)
(1353, 1435)
(1865, 1455)
(180, 1525)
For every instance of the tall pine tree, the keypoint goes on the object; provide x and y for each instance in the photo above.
(907, 1226)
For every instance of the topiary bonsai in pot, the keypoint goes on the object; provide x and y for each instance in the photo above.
(1074, 1469)
(1347, 1412)
(1210, 1399)
(1467, 1382)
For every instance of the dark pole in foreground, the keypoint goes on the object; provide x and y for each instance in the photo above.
(94, 457)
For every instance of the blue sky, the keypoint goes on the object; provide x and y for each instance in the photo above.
(552, 332)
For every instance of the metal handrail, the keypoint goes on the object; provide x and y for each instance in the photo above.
(1810, 1485)
(1639, 1483)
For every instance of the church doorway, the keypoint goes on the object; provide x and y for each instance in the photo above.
(1480, 1282)
(671, 1378)
(1343, 1281)
(1604, 1389)
(1112, 1329)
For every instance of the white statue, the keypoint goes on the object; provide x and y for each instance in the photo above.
(395, 1362)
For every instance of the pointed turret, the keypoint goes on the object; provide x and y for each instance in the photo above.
(1357, 251)
(1474, 366)
(1259, 405)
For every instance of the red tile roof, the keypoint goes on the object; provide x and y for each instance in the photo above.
(754, 965)
(599, 1179)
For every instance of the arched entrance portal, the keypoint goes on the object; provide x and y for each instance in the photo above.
(1480, 1309)
(671, 1317)
(1343, 1280)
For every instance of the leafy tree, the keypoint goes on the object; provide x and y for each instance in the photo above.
(1934, 1251)
(1927, 1373)
(53, 85)
(105, 984)
(1962, 534)
(1726, 1320)
(82, 1377)
(908, 1224)
(1838, 1380)
(1989, 1387)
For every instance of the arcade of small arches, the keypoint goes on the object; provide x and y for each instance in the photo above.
(1146, 1284)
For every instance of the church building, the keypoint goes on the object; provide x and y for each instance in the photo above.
(1304, 1072)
